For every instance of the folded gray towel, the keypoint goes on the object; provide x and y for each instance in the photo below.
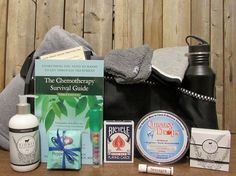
(129, 66)
(8, 100)
(57, 39)
(170, 64)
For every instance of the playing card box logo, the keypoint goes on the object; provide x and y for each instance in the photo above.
(118, 145)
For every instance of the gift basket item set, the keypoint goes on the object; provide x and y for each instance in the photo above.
(85, 115)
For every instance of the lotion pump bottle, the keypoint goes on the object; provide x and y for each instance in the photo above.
(24, 137)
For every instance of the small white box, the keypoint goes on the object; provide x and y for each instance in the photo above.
(210, 149)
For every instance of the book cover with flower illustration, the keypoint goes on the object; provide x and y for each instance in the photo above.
(67, 90)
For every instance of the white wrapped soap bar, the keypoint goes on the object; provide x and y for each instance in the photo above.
(210, 149)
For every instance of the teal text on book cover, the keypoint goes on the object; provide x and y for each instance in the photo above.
(67, 90)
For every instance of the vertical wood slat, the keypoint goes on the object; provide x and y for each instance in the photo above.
(217, 53)
(20, 38)
(128, 23)
(229, 64)
(3, 23)
(74, 16)
(200, 22)
(49, 13)
(98, 25)
(176, 22)
(153, 23)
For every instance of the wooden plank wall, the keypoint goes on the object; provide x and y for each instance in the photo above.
(229, 63)
(112, 24)
(3, 24)
(20, 35)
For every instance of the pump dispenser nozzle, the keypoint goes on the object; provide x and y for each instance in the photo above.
(23, 107)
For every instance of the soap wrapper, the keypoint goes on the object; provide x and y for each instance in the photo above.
(210, 149)
(64, 149)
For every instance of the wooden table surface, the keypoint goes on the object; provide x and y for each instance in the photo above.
(180, 169)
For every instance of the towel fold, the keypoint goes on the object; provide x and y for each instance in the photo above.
(57, 39)
(129, 66)
(170, 64)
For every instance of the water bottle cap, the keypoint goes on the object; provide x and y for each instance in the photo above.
(202, 48)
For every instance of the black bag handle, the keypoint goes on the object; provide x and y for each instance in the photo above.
(26, 65)
(29, 77)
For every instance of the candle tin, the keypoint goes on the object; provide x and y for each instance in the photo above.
(162, 137)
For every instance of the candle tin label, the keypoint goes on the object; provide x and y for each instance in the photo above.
(162, 137)
(118, 145)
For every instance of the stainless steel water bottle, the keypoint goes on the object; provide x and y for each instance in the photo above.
(199, 77)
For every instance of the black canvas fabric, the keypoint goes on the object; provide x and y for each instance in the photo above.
(132, 102)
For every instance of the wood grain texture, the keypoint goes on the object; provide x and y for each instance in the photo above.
(217, 53)
(176, 22)
(49, 14)
(219, 106)
(74, 16)
(153, 23)
(20, 38)
(128, 30)
(200, 22)
(98, 25)
(181, 168)
(229, 64)
(3, 24)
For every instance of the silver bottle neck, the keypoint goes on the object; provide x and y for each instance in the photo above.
(23, 109)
